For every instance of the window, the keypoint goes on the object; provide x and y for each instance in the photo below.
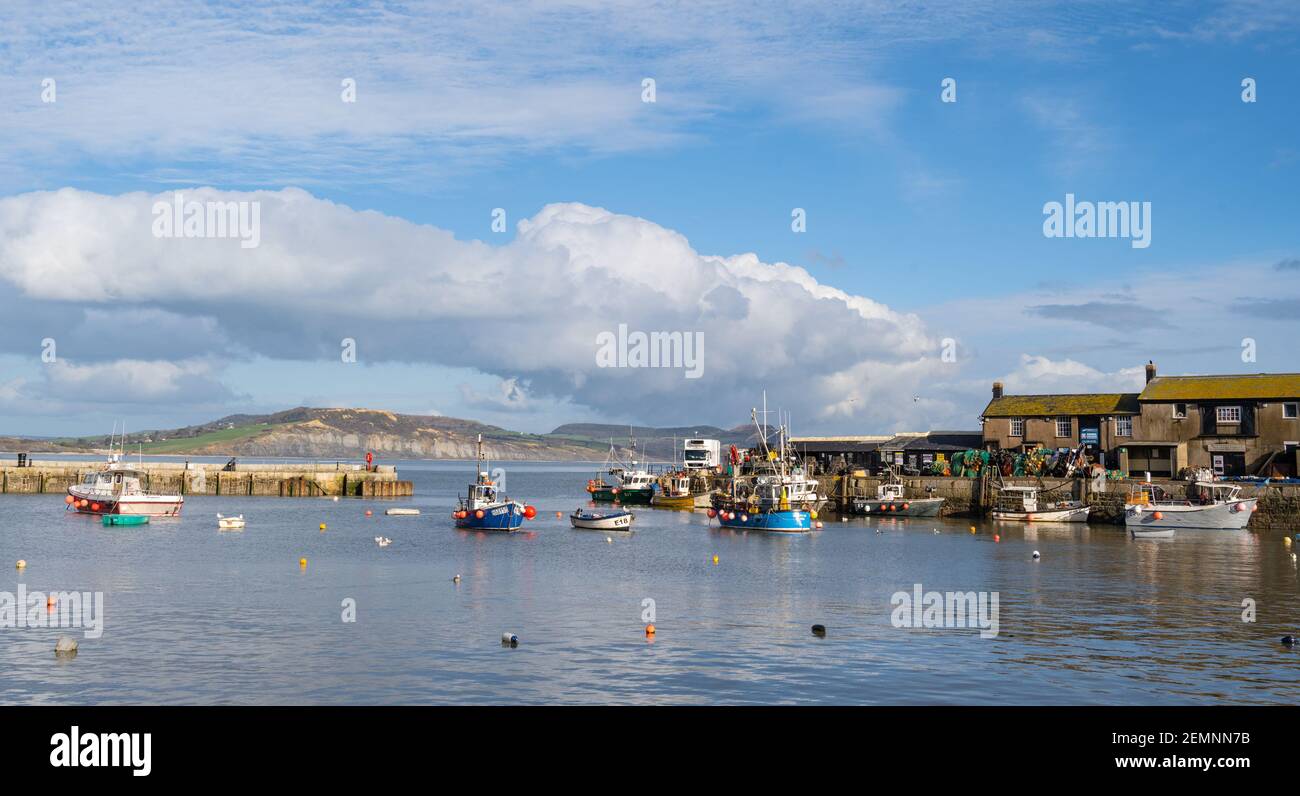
(1180, 410)
(1064, 427)
(1227, 414)
(1291, 411)
(1017, 426)
(1123, 426)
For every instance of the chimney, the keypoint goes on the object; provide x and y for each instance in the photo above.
(1151, 371)
(997, 388)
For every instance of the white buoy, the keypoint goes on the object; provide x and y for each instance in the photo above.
(66, 645)
(509, 640)
(1036, 555)
(456, 579)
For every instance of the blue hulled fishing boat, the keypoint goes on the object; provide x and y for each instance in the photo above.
(777, 496)
(484, 509)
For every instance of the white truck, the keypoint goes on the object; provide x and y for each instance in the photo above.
(700, 454)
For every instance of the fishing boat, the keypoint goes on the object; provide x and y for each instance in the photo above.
(230, 523)
(674, 492)
(626, 484)
(1209, 504)
(596, 520)
(483, 508)
(891, 498)
(1021, 504)
(777, 496)
(120, 489)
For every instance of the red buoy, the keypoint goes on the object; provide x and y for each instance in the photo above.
(529, 512)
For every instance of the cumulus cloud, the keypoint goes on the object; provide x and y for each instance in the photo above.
(1039, 374)
(528, 312)
(128, 385)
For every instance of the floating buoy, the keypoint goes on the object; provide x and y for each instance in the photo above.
(322, 526)
(1290, 641)
(302, 562)
(1036, 555)
(972, 529)
(905, 505)
(712, 513)
(51, 601)
(715, 560)
(369, 513)
(94, 507)
(1158, 516)
(844, 519)
(529, 512)
(456, 579)
(69, 499)
(1286, 541)
(819, 630)
(997, 537)
(559, 514)
(66, 645)
(336, 498)
(649, 630)
(819, 525)
(22, 563)
(608, 540)
(509, 640)
(812, 514)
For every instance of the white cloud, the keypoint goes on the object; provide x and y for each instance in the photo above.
(1039, 374)
(527, 312)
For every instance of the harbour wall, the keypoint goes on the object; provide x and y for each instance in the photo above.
(265, 480)
(1278, 507)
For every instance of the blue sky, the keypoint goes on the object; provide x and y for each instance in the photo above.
(924, 218)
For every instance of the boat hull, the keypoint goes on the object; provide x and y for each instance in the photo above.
(924, 507)
(614, 522)
(1230, 516)
(1074, 514)
(504, 517)
(673, 502)
(125, 519)
(793, 521)
(620, 495)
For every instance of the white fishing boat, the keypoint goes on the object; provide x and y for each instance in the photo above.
(891, 498)
(1021, 504)
(1209, 504)
(230, 523)
(120, 489)
(602, 520)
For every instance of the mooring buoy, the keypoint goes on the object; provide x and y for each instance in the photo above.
(819, 630)
(509, 640)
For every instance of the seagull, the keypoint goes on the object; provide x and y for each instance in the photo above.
(383, 541)
(456, 579)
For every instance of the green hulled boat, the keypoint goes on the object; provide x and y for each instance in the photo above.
(126, 519)
(629, 484)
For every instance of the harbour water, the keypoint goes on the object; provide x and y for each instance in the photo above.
(194, 615)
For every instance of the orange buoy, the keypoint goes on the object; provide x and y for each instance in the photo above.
(905, 507)
(649, 630)
(478, 515)
(1158, 515)
(559, 514)
(69, 499)
(94, 507)
(369, 513)
(529, 512)
(997, 537)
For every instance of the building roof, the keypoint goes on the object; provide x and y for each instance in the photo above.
(1090, 403)
(936, 441)
(1199, 388)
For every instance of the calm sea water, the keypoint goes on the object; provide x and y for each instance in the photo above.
(197, 616)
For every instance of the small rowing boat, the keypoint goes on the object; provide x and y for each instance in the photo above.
(125, 519)
(611, 520)
(230, 523)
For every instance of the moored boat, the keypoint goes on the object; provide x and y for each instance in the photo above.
(1021, 504)
(1209, 505)
(125, 519)
(120, 489)
(891, 498)
(230, 523)
(626, 484)
(484, 509)
(602, 520)
(674, 493)
(779, 497)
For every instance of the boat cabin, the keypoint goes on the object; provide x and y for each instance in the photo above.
(890, 492)
(1018, 499)
(114, 481)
